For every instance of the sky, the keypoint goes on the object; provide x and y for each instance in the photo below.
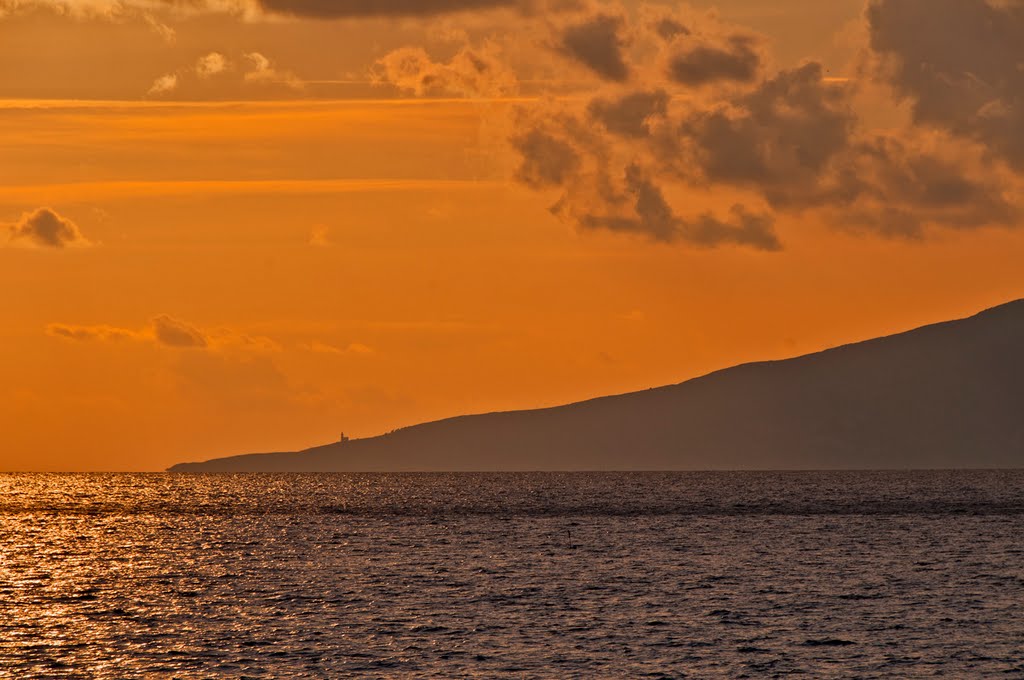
(230, 226)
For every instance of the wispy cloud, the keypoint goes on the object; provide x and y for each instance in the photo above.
(352, 348)
(167, 331)
(263, 70)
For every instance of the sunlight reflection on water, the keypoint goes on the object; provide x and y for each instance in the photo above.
(604, 575)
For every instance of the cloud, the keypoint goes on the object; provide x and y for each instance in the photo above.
(212, 67)
(162, 330)
(271, 9)
(334, 9)
(166, 331)
(898, 185)
(629, 115)
(263, 71)
(211, 64)
(175, 333)
(597, 43)
(653, 217)
(736, 60)
(469, 73)
(164, 84)
(777, 138)
(546, 160)
(676, 105)
(45, 228)
(705, 113)
(168, 34)
(667, 27)
(91, 333)
(607, 168)
(959, 62)
(352, 348)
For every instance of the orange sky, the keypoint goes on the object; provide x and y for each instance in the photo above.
(266, 255)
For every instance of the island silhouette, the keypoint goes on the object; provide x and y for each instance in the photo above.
(947, 395)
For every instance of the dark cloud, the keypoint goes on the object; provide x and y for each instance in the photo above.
(654, 218)
(898, 186)
(174, 333)
(47, 229)
(784, 141)
(736, 60)
(610, 167)
(597, 43)
(630, 114)
(339, 9)
(668, 28)
(777, 138)
(546, 160)
(795, 140)
(959, 62)
(574, 155)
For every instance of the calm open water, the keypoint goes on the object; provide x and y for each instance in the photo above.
(840, 574)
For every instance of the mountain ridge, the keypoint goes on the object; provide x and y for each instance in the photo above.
(880, 402)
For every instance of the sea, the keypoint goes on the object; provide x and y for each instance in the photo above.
(546, 575)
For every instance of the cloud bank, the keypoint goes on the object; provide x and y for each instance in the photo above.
(705, 114)
(960, 63)
(671, 110)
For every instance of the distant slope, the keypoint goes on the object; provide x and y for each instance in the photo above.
(949, 395)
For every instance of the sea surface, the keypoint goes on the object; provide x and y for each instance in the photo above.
(703, 575)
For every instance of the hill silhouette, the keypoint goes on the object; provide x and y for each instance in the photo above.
(948, 395)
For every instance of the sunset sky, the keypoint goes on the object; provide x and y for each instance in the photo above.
(230, 226)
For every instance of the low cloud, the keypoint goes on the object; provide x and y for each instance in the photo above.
(469, 73)
(630, 115)
(648, 213)
(217, 69)
(167, 331)
(737, 59)
(675, 104)
(959, 63)
(262, 70)
(547, 159)
(45, 228)
(597, 42)
(211, 64)
(163, 85)
(352, 348)
(335, 9)
(162, 330)
(777, 138)
(176, 333)
(91, 333)
(699, 110)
